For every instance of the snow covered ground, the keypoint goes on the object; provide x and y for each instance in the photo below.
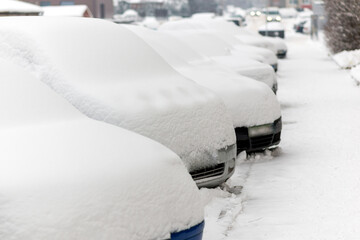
(309, 188)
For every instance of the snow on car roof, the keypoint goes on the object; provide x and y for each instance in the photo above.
(223, 27)
(66, 11)
(65, 176)
(272, 26)
(117, 78)
(15, 6)
(249, 102)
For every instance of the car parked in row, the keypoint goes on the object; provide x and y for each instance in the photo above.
(66, 176)
(117, 78)
(219, 51)
(253, 106)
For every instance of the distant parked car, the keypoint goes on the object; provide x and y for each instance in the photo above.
(302, 19)
(222, 53)
(66, 176)
(272, 29)
(299, 27)
(112, 75)
(251, 104)
(221, 26)
(272, 14)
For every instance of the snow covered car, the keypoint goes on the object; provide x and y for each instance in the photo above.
(252, 105)
(226, 41)
(272, 14)
(272, 29)
(66, 176)
(219, 51)
(112, 75)
(277, 45)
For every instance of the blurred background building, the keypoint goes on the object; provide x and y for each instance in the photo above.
(98, 8)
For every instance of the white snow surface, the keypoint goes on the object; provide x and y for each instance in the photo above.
(117, 78)
(224, 28)
(308, 188)
(279, 43)
(65, 11)
(355, 73)
(347, 59)
(220, 52)
(65, 176)
(15, 6)
(151, 23)
(288, 12)
(249, 102)
(272, 26)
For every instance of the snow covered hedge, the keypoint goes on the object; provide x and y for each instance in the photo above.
(343, 25)
(347, 59)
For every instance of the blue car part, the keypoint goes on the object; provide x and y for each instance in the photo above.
(193, 233)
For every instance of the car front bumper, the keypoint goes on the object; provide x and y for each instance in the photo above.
(258, 138)
(217, 174)
(281, 53)
(193, 233)
(275, 67)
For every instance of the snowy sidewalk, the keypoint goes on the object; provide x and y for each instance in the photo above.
(311, 190)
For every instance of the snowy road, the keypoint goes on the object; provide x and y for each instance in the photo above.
(310, 187)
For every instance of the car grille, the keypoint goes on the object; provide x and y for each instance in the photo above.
(255, 143)
(261, 142)
(214, 171)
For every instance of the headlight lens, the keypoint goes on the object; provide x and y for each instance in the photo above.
(252, 13)
(278, 18)
(258, 13)
(269, 19)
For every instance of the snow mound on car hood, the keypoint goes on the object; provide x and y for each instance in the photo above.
(111, 75)
(65, 176)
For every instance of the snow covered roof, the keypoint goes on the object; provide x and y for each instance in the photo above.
(127, 84)
(77, 178)
(67, 11)
(15, 6)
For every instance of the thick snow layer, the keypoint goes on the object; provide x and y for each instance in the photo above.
(65, 176)
(15, 6)
(216, 49)
(355, 73)
(279, 43)
(65, 11)
(249, 68)
(224, 44)
(222, 26)
(347, 59)
(205, 15)
(249, 102)
(308, 189)
(272, 26)
(288, 12)
(151, 23)
(117, 78)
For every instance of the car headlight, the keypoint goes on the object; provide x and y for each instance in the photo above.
(258, 13)
(261, 130)
(269, 19)
(278, 18)
(252, 13)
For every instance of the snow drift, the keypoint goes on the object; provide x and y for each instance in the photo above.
(65, 176)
